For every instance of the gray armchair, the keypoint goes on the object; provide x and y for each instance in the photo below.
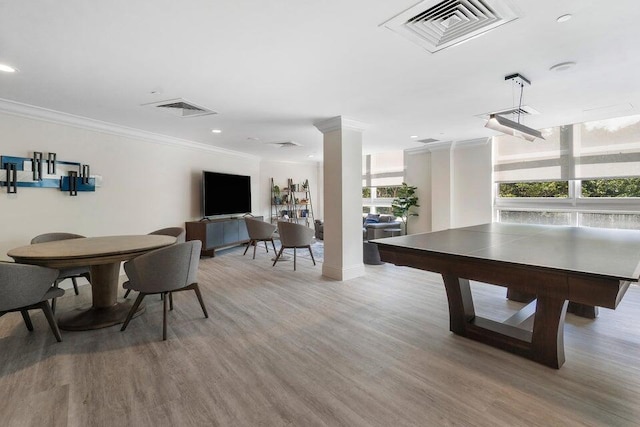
(65, 273)
(176, 232)
(294, 236)
(164, 271)
(28, 287)
(259, 231)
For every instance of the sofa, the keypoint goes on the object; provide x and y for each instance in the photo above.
(319, 227)
(373, 226)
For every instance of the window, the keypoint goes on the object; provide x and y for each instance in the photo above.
(586, 174)
(534, 189)
(623, 187)
(382, 174)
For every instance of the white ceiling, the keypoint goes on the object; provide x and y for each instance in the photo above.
(273, 68)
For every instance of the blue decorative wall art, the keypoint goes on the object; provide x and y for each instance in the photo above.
(31, 172)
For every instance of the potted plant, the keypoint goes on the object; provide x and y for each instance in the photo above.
(404, 202)
(276, 195)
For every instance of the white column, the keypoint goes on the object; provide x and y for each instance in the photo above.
(441, 185)
(342, 198)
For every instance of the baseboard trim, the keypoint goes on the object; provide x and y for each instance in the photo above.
(338, 273)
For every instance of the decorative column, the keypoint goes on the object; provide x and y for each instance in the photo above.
(342, 198)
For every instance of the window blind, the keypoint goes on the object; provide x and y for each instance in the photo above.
(383, 169)
(607, 148)
(591, 150)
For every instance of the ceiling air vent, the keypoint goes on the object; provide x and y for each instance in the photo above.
(427, 140)
(180, 108)
(436, 25)
(524, 110)
(285, 144)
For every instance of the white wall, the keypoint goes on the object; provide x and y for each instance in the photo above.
(146, 185)
(441, 188)
(298, 172)
(471, 198)
(418, 173)
(457, 180)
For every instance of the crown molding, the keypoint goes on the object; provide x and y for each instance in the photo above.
(472, 142)
(448, 145)
(439, 146)
(57, 117)
(417, 150)
(340, 123)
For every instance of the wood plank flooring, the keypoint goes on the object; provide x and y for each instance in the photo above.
(292, 348)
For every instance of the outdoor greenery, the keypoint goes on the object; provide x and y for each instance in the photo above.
(403, 203)
(625, 187)
(622, 187)
(389, 192)
(535, 189)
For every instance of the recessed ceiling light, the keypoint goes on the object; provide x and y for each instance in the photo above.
(311, 156)
(216, 130)
(7, 68)
(564, 18)
(563, 66)
(413, 136)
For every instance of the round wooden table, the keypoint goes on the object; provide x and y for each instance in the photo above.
(103, 255)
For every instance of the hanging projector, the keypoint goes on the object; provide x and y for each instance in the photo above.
(509, 127)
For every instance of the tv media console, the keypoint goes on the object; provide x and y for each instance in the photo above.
(218, 233)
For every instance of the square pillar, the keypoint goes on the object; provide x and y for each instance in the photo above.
(342, 149)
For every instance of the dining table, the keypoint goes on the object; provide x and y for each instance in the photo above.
(103, 255)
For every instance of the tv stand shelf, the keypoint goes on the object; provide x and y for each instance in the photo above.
(218, 233)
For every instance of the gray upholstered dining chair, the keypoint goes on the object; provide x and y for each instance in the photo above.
(176, 232)
(259, 231)
(164, 271)
(28, 287)
(294, 236)
(65, 273)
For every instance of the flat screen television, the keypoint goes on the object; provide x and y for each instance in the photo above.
(225, 194)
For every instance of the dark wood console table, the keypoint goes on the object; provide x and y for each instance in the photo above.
(556, 264)
(218, 233)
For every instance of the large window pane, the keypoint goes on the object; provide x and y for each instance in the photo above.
(387, 192)
(532, 217)
(623, 187)
(534, 189)
(610, 220)
(384, 210)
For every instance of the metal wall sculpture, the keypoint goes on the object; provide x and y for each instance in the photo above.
(29, 172)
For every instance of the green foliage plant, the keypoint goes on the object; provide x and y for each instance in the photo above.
(403, 204)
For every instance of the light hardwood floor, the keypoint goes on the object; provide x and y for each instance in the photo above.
(291, 348)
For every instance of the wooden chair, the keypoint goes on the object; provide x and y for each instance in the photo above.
(28, 287)
(294, 236)
(259, 231)
(164, 271)
(65, 273)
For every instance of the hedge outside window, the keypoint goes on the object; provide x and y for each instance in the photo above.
(585, 174)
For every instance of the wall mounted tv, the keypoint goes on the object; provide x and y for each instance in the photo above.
(225, 194)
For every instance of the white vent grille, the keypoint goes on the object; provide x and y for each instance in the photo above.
(428, 140)
(523, 111)
(436, 24)
(285, 144)
(181, 108)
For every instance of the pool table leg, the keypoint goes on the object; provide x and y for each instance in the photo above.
(545, 344)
